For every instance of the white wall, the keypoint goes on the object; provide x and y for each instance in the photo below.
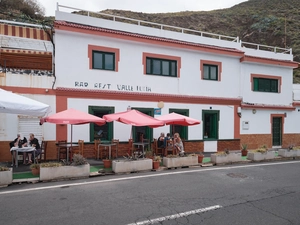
(260, 122)
(283, 98)
(9, 122)
(122, 131)
(76, 68)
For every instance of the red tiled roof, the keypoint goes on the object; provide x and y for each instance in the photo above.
(281, 62)
(266, 106)
(80, 26)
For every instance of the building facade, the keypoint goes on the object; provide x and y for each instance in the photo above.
(241, 92)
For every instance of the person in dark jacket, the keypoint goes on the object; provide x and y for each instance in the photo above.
(161, 140)
(33, 142)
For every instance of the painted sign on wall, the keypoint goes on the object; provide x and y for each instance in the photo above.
(118, 87)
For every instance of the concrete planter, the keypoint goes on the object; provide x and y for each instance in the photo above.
(64, 172)
(180, 161)
(127, 166)
(258, 156)
(229, 158)
(6, 177)
(288, 153)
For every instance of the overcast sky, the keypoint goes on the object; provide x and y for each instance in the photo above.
(146, 6)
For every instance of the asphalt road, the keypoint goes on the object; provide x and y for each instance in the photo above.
(264, 193)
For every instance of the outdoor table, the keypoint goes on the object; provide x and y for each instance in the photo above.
(106, 145)
(23, 149)
(68, 146)
(143, 144)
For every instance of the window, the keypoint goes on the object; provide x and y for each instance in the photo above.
(103, 60)
(28, 124)
(210, 120)
(104, 132)
(161, 67)
(210, 72)
(181, 130)
(145, 131)
(265, 85)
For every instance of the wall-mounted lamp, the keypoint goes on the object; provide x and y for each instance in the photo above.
(239, 111)
(160, 104)
(128, 108)
(285, 114)
(46, 90)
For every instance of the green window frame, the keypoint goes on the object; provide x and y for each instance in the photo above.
(161, 67)
(265, 85)
(147, 131)
(107, 128)
(210, 120)
(182, 130)
(210, 72)
(103, 60)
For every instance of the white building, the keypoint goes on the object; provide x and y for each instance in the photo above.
(241, 92)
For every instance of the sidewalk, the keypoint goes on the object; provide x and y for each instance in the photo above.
(23, 172)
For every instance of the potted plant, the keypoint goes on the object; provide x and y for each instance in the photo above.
(149, 154)
(5, 176)
(156, 162)
(55, 171)
(260, 154)
(106, 163)
(35, 169)
(200, 157)
(225, 156)
(244, 149)
(180, 161)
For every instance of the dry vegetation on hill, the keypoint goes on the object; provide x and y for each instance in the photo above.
(266, 22)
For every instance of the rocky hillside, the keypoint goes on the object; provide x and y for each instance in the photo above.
(267, 22)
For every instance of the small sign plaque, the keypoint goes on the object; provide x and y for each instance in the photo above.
(157, 111)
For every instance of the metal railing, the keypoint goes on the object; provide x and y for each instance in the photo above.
(266, 48)
(177, 29)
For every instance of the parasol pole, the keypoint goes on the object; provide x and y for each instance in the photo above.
(71, 139)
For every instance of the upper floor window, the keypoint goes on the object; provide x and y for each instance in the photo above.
(265, 85)
(210, 70)
(161, 67)
(103, 60)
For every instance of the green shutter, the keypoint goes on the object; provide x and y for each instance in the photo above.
(255, 84)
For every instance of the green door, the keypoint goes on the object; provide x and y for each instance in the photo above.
(277, 131)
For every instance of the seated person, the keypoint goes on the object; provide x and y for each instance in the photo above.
(20, 142)
(34, 143)
(161, 140)
(167, 138)
(178, 144)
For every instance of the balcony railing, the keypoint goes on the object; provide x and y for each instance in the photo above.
(176, 29)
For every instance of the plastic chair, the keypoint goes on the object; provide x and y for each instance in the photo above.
(43, 151)
(130, 146)
(116, 141)
(157, 150)
(96, 143)
(170, 148)
(79, 150)
(61, 150)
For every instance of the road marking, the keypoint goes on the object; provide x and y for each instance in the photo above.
(176, 216)
(146, 176)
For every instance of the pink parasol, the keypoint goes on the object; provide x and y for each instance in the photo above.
(177, 119)
(135, 118)
(72, 116)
